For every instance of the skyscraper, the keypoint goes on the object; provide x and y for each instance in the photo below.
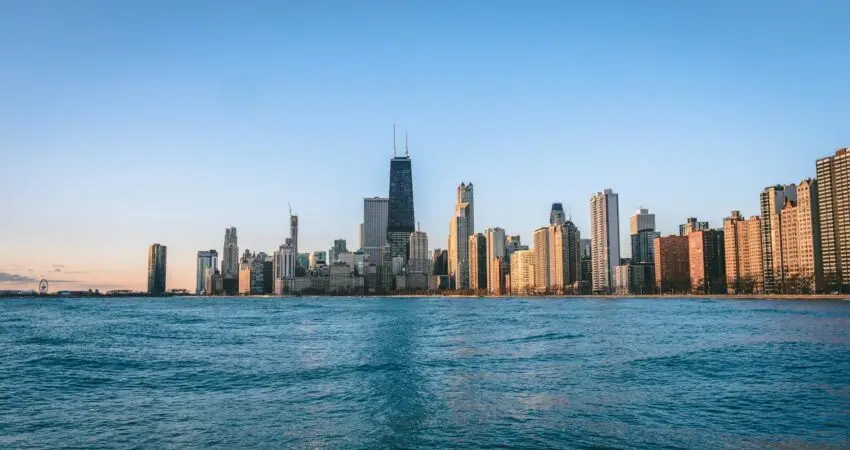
(440, 259)
(564, 256)
(206, 258)
(556, 215)
(692, 224)
(283, 267)
(642, 220)
(513, 244)
(477, 262)
(772, 200)
(801, 270)
(586, 263)
(833, 174)
(375, 212)
(340, 246)
(156, 269)
(246, 266)
(418, 244)
(541, 259)
(293, 230)
(707, 260)
(400, 216)
(460, 228)
(230, 262)
(605, 238)
(496, 264)
(742, 238)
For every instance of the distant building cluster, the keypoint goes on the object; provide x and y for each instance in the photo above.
(798, 243)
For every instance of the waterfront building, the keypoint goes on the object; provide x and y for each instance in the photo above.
(742, 239)
(496, 264)
(246, 265)
(157, 255)
(833, 177)
(440, 260)
(230, 262)
(459, 233)
(268, 274)
(302, 263)
(556, 215)
(672, 264)
(284, 264)
(623, 280)
(477, 262)
(513, 244)
(214, 283)
(318, 259)
(564, 257)
(400, 213)
(605, 239)
(257, 277)
(206, 258)
(375, 212)
(586, 265)
(418, 244)
(692, 224)
(522, 272)
(801, 265)
(541, 260)
(772, 200)
(707, 261)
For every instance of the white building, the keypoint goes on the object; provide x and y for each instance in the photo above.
(522, 272)
(605, 239)
(284, 262)
(458, 251)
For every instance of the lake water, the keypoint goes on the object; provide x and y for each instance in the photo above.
(423, 373)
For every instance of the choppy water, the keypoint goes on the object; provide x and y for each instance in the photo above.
(424, 373)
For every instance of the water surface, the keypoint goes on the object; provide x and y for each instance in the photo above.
(423, 373)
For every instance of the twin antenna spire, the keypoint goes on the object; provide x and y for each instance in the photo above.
(405, 143)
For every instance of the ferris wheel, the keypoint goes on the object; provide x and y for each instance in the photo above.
(42, 287)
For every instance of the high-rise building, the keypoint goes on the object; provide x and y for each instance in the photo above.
(605, 238)
(833, 175)
(586, 262)
(800, 247)
(541, 260)
(206, 258)
(440, 261)
(340, 246)
(318, 259)
(258, 274)
(692, 224)
(213, 282)
(375, 212)
(246, 266)
(642, 220)
(284, 264)
(672, 264)
(707, 260)
(418, 262)
(522, 272)
(230, 262)
(557, 215)
(461, 227)
(564, 256)
(400, 213)
(513, 244)
(293, 231)
(496, 264)
(772, 200)
(742, 238)
(156, 269)
(477, 252)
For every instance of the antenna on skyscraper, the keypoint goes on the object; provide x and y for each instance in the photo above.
(394, 141)
(405, 142)
(290, 208)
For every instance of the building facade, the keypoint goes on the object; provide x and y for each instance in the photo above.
(557, 215)
(230, 262)
(496, 263)
(692, 224)
(672, 264)
(375, 211)
(400, 212)
(419, 261)
(801, 268)
(605, 239)
(522, 272)
(772, 200)
(641, 220)
(742, 239)
(157, 255)
(206, 258)
(833, 176)
(707, 261)
(459, 233)
(440, 260)
(246, 266)
(477, 262)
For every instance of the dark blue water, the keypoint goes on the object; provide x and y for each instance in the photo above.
(424, 373)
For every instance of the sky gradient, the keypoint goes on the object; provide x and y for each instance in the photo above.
(128, 123)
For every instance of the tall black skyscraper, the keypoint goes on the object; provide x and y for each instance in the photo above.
(557, 216)
(400, 218)
(156, 269)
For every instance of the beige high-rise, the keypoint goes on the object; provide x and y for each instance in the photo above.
(744, 270)
(833, 174)
(459, 232)
(800, 254)
(542, 270)
(772, 201)
(496, 264)
(522, 272)
(605, 239)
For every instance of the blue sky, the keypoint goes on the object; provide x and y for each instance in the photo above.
(128, 123)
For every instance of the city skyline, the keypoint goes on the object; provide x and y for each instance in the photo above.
(641, 116)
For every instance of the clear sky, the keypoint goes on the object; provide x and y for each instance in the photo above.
(127, 123)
